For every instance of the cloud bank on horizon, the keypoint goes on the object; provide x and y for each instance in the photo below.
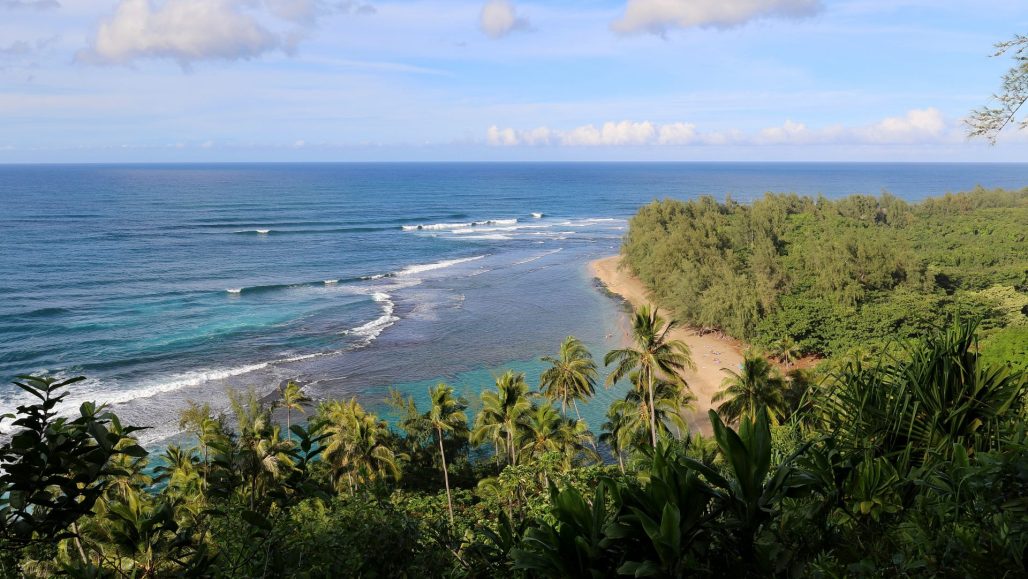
(499, 79)
(916, 126)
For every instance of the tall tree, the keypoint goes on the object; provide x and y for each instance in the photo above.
(503, 413)
(262, 454)
(292, 398)
(654, 356)
(446, 416)
(546, 430)
(627, 423)
(200, 421)
(988, 121)
(787, 351)
(571, 376)
(619, 432)
(357, 444)
(757, 384)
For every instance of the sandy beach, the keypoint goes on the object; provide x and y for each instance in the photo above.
(709, 352)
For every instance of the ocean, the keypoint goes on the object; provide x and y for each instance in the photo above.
(168, 283)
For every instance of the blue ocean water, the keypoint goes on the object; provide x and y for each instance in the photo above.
(170, 283)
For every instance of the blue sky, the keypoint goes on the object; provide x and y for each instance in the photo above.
(338, 80)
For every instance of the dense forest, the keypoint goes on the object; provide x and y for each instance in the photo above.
(913, 465)
(847, 276)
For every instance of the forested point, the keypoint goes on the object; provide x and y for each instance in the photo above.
(848, 276)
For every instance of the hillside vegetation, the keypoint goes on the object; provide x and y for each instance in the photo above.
(906, 467)
(832, 276)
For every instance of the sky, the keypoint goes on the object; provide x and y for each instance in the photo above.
(501, 80)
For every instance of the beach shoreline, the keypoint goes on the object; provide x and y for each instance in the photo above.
(710, 353)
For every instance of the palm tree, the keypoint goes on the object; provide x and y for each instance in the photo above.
(446, 415)
(292, 398)
(199, 420)
(620, 430)
(128, 473)
(571, 376)
(627, 419)
(357, 444)
(179, 471)
(263, 455)
(787, 351)
(670, 399)
(654, 356)
(502, 416)
(757, 384)
(546, 430)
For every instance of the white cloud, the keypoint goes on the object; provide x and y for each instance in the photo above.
(622, 133)
(915, 127)
(499, 18)
(30, 4)
(608, 134)
(677, 134)
(193, 30)
(506, 137)
(658, 16)
(182, 30)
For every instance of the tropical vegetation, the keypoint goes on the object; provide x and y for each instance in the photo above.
(902, 454)
(800, 275)
(910, 464)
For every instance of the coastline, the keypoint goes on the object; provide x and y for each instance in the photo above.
(710, 353)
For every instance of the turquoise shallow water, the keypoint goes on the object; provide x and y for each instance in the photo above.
(169, 283)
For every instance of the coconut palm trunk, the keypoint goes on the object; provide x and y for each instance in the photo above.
(446, 474)
(510, 444)
(653, 409)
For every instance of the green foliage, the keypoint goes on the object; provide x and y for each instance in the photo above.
(1008, 346)
(825, 277)
(54, 469)
(358, 536)
(571, 376)
(914, 464)
(756, 385)
(654, 356)
(503, 417)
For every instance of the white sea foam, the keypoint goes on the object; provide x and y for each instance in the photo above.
(488, 237)
(235, 290)
(372, 329)
(537, 215)
(435, 226)
(331, 281)
(263, 231)
(509, 228)
(422, 268)
(538, 257)
(301, 357)
(449, 226)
